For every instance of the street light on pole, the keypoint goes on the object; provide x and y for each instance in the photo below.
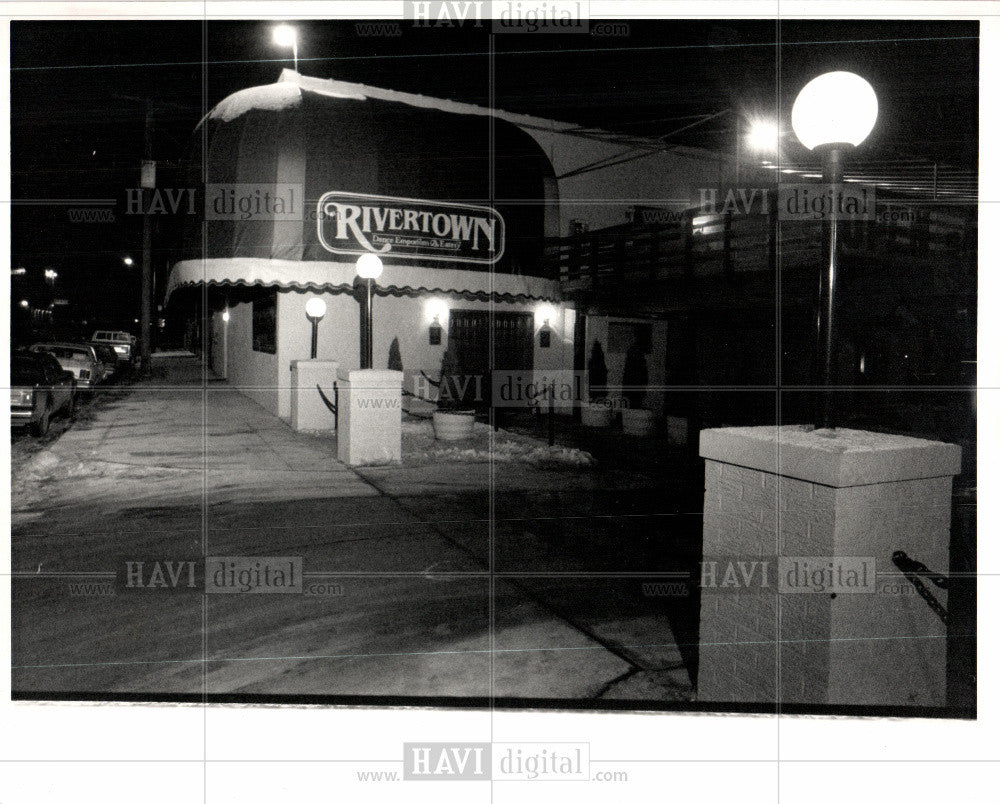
(832, 115)
(286, 36)
(369, 268)
(763, 136)
(315, 310)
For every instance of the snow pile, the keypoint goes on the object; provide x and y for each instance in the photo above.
(270, 98)
(419, 444)
(30, 484)
(516, 452)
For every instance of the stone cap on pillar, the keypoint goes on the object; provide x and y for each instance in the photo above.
(836, 458)
(371, 378)
(319, 364)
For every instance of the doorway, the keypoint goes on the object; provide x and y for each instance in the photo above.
(469, 340)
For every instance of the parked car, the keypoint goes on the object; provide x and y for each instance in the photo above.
(108, 358)
(122, 342)
(39, 389)
(79, 359)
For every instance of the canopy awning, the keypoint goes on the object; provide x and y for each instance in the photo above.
(339, 277)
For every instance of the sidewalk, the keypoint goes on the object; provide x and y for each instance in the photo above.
(185, 467)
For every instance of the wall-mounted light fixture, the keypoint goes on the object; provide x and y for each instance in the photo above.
(435, 311)
(545, 313)
(434, 332)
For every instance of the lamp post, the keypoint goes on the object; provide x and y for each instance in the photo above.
(315, 310)
(286, 36)
(832, 115)
(369, 268)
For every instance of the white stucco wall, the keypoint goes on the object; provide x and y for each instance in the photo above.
(217, 339)
(253, 373)
(267, 378)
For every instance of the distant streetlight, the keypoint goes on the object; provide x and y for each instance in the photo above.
(833, 114)
(755, 135)
(286, 36)
(25, 303)
(369, 268)
(315, 310)
(763, 136)
(129, 262)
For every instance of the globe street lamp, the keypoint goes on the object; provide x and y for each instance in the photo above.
(286, 36)
(369, 268)
(315, 310)
(832, 115)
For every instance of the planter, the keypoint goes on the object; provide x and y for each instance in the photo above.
(637, 421)
(677, 429)
(453, 425)
(596, 414)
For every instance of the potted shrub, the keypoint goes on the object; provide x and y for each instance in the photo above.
(635, 377)
(452, 421)
(597, 411)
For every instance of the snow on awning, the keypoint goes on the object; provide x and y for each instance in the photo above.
(338, 277)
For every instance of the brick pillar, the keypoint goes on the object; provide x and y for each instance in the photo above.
(800, 597)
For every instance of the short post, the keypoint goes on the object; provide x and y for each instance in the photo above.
(552, 414)
(369, 415)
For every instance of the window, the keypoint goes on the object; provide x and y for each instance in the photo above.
(265, 323)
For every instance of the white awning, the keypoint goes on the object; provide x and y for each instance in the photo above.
(338, 277)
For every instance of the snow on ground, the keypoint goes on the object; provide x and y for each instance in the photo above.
(153, 446)
(419, 445)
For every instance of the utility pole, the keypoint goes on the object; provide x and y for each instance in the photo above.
(148, 185)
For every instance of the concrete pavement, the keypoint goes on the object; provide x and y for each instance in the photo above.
(447, 576)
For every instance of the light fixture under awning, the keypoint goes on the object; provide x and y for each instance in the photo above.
(338, 277)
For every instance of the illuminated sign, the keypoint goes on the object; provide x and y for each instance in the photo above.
(409, 228)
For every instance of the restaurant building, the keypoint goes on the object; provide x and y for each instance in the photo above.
(303, 176)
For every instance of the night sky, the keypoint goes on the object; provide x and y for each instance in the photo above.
(77, 91)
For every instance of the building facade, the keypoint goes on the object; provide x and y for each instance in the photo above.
(303, 176)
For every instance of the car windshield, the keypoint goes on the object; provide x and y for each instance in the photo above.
(105, 352)
(67, 352)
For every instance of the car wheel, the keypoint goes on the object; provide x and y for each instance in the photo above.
(41, 427)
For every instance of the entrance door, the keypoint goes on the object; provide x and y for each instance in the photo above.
(469, 340)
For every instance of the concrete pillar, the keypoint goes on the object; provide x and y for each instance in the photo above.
(800, 600)
(309, 412)
(370, 430)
